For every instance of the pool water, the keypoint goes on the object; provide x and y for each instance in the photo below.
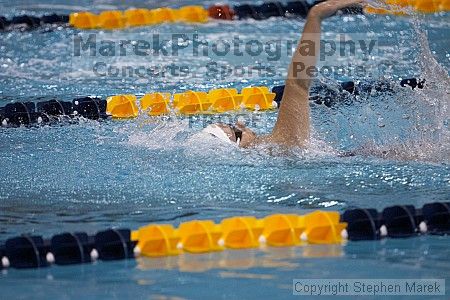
(96, 175)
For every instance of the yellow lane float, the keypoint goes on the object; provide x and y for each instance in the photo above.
(115, 19)
(156, 240)
(258, 98)
(163, 15)
(241, 232)
(200, 236)
(224, 100)
(156, 104)
(282, 230)
(83, 20)
(402, 7)
(111, 19)
(138, 17)
(122, 106)
(444, 5)
(193, 14)
(192, 102)
(323, 228)
(425, 6)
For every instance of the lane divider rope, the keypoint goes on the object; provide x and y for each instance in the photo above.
(240, 232)
(115, 19)
(215, 101)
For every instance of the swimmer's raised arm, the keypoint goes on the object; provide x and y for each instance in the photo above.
(293, 125)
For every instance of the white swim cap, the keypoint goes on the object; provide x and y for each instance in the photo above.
(219, 133)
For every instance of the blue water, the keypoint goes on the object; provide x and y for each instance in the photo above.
(95, 175)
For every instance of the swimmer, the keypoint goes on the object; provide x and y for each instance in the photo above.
(292, 128)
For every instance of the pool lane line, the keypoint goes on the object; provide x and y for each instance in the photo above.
(195, 14)
(216, 101)
(239, 232)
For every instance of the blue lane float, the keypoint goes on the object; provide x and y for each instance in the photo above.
(400, 221)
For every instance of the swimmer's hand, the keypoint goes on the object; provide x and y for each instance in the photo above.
(328, 8)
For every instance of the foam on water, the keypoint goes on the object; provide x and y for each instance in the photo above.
(430, 138)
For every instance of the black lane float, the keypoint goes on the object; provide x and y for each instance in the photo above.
(51, 111)
(399, 221)
(28, 22)
(66, 249)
